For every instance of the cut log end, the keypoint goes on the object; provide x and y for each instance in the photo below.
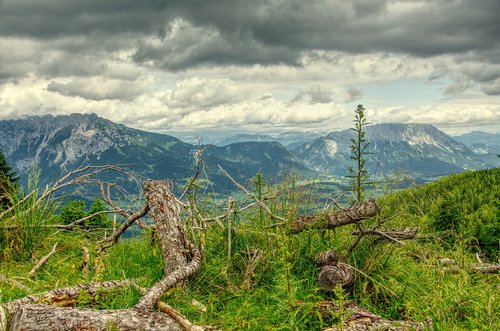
(327, 258)
(332, 275)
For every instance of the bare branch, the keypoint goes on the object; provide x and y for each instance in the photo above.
(253, 196)
(392, 235)
(42, 261)
(199, 162)
(71, 225)
(178, 317)
(128, 222)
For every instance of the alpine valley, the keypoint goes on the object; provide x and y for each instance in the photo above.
(58, 144)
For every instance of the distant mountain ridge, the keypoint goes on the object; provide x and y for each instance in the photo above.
(61, 143)
(420, 149)
(481, 142)
(287, 139)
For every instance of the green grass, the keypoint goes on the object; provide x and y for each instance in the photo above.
(396, 281)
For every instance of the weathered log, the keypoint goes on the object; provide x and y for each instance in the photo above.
(359, 319)
(391, 235)
(149, 300)
(353, 214)
(327, 258)
(485, 268)
(50, 318)
(332, 275)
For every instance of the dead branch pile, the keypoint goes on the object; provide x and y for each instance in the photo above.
(182, 259)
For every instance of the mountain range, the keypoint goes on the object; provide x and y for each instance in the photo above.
(58, 144)
(419, 149)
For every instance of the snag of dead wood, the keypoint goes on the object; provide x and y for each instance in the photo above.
(332, 275)
(86, 260)
(485, 268)
(353, 214)
(254, 256)
(390, 235)
(357, 319)
(181, 258)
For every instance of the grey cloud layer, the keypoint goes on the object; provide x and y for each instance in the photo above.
(181, 34)
(414, 27)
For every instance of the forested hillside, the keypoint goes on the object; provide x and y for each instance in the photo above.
(258, 274)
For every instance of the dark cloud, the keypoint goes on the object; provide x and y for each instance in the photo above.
(180, 34)
(314, 95)
(353, 94)
(415, 27)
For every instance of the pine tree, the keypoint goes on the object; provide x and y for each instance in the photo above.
(98, 220)
(359, 148)
(8, 181)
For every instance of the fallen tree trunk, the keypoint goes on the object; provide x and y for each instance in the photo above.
(358, 319)
(390, 235)
(50, 318)
(485, 268)
(353, 214)
(181, 259)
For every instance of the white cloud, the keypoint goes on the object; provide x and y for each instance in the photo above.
(99, 88)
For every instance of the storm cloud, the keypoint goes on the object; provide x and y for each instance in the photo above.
(196, 58)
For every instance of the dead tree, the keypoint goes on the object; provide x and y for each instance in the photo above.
(182, 259)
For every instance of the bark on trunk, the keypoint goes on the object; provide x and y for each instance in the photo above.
(350, 215)
(486, 268)
(391, 235)
(166, 212)
(49, 318)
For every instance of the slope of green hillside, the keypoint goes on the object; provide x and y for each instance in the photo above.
(267, 281)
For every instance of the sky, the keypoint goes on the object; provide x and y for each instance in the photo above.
(232, 66)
